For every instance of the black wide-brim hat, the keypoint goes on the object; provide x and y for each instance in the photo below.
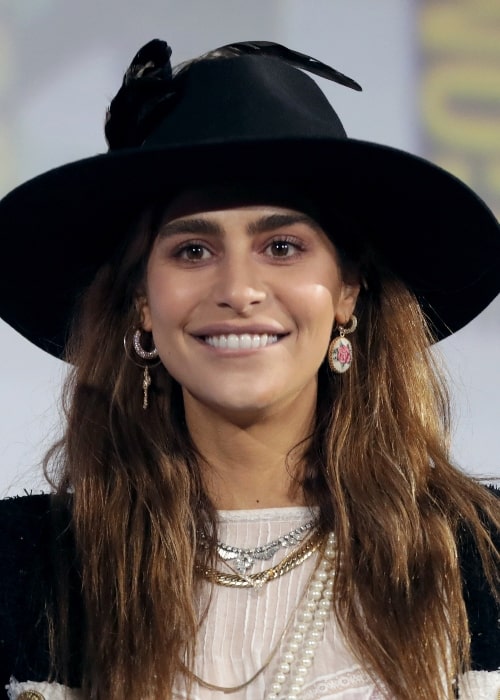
(248, 115)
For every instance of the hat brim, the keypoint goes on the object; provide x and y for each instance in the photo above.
(60, 227)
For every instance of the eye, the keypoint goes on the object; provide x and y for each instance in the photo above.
(192, 252)
(284, 248)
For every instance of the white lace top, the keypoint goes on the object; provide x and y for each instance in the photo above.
(231, 653)
(244, 625)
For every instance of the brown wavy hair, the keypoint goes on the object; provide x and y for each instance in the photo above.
(377, 465)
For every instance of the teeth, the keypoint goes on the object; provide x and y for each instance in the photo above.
(244, 341)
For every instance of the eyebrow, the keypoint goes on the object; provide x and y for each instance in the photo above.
(208, 226)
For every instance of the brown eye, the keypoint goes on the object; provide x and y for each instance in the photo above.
(282, 248)
(193, 252)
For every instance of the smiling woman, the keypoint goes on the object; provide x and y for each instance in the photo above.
(242, 313)
(241, 303)
(253, 494)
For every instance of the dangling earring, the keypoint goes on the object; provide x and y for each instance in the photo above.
(340, 350)
(145, 355)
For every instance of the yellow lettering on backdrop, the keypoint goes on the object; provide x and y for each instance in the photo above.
(462, 105)
(493, 174)
(463, 27)
(460, 90)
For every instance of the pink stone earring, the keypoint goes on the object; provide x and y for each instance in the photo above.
(340, 349)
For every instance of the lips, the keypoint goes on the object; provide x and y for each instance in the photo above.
(242, 341)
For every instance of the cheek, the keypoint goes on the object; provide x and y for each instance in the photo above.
(168, 300)
(314, 308)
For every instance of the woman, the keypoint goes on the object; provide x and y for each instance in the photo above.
(253, 494)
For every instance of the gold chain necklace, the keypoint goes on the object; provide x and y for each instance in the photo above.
(315, 542)
(289, 562)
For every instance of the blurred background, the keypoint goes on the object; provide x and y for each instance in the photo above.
(430, 71)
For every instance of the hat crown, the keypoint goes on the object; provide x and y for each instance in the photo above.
(244, 98)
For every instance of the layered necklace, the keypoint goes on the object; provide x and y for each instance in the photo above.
(244, 559)
(242, 580)
(305, 627)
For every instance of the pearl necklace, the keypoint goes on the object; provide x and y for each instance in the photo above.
(300, 648)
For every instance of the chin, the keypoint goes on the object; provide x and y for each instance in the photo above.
(246, 398)
(242, 407)
(237, 403)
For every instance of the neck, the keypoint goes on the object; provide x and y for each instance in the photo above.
(252, 461)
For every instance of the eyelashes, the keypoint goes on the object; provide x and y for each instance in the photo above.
(278, 248)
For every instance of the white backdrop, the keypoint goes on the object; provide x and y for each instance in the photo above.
(60, 64)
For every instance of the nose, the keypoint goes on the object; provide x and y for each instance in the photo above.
(239, 285)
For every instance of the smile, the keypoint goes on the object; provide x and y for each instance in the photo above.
(245, 341)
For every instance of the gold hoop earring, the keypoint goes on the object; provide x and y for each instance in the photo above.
(340, 349)
(145, 355)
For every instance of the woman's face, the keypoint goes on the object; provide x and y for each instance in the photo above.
(241, 300)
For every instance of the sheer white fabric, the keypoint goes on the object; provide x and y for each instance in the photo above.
(243, 627)
(476, 685)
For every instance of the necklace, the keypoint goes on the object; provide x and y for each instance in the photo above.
(235, 688)
(292, 560)
(300, 649)
(243, 559)
(313, 610)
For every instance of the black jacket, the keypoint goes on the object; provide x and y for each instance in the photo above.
(34, 528)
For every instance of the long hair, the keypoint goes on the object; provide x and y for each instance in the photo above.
(377, 465)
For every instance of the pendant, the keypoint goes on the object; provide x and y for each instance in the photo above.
(340, 354)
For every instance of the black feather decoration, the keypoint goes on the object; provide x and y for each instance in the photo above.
(148, 90)
(294, 58)
(146, 84)
(153, 60)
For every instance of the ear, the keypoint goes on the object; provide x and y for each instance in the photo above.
(347, 302)
(144, 313)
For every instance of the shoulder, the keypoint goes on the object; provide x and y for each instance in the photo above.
(18, 507)
(23, 512)
(482, 609)
(23, 529)
(26, 531)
